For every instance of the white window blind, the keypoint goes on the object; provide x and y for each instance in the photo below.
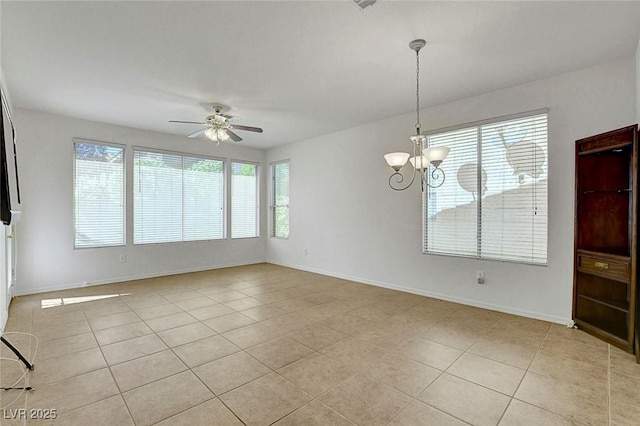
(244, 200)
(177, 198)
(452, 217)
(280, 199)
(203, 208)
(98, 195)
(493, 204)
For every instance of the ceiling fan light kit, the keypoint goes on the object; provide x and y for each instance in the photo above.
(219, 127)
(423, 156)
(216, 134)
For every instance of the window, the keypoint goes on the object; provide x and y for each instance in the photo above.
(177, 198)
(98, 186)
(280, 199)
(493, 204)
(244, 200)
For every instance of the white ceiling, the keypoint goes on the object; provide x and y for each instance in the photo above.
(298, 69)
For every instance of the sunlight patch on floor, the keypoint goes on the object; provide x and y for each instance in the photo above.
(50, 303)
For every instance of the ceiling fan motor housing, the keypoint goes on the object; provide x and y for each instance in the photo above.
(217, 120)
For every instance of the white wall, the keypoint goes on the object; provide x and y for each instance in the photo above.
(46, 258)
(355, 226)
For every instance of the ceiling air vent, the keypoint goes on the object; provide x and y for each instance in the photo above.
(363, 4)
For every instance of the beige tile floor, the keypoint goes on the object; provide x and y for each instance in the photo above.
(263, 344)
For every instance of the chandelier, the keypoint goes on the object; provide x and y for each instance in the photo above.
(423, 157)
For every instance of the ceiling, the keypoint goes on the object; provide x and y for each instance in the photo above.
(298, 69)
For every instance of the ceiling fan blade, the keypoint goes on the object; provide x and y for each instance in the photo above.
(187, 122)
(198, 133)
(233, 136)
(246, 128)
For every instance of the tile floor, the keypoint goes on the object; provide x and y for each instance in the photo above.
(263, 344)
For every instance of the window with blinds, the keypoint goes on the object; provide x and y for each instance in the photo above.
(177, 198)
(493, 203)
(98, 205)
(280, 199)
(244, 200)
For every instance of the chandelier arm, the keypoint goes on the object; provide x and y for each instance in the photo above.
(400, 177)
(437, 174)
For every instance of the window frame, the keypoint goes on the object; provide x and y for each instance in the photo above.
(273, 206)
(478, 125)
(225, 219)
(123, 147)
(230, 196)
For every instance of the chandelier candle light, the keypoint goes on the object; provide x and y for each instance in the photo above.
(428, 156)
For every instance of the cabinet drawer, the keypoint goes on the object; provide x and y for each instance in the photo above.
(604, 267)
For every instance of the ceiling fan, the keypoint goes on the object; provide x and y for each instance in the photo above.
(218, 127)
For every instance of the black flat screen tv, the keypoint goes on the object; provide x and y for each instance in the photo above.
(6, 127)
(5, 198)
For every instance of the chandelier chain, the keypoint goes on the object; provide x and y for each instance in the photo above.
(418, 91)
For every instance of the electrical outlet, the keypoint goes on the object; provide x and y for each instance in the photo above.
(305, 252)
(480, 277)
(123, 258)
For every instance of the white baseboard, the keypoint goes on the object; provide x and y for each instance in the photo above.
(70, 286)
(420, 292)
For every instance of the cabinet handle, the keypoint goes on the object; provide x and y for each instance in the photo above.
(601, 265)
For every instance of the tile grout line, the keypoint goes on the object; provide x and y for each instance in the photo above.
(525, 373)
(124, 401)
(361, 371)
(28, 376)
(542, 375)
(121, 393)
(608, 384)
(216, 396)
(190, 369)
(98, 369)
(317, 397)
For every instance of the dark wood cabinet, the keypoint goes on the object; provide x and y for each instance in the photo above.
(605, 270)
(637, 346)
